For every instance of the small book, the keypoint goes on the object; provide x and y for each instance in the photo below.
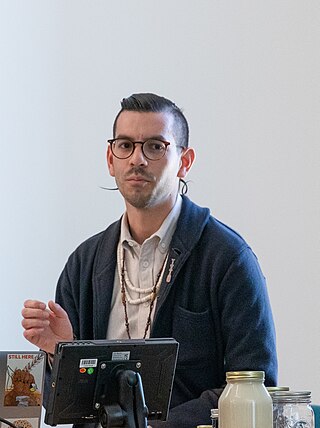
(21, 387)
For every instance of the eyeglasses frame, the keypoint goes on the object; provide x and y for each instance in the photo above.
(112, 140)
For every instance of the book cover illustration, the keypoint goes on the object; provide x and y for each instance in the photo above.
(24, 380)
(23, 423)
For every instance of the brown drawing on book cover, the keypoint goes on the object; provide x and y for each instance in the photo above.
(21, 388)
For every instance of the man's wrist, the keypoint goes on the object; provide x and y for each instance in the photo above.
(50, 355)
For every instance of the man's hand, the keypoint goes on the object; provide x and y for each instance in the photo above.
(45, 326)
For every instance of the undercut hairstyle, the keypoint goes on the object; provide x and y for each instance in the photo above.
(147, 102)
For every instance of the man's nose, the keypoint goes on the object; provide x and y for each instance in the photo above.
(137, 157)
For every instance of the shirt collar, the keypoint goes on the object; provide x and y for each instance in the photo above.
(163, 234)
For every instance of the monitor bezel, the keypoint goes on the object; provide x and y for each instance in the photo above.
(154, 359)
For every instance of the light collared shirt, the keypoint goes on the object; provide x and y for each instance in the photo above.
(143, 263)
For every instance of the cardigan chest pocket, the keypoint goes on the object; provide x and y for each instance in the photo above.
(194, 332)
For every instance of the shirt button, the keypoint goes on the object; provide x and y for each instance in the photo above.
(145, 264)
(130, 243)
(163, 245)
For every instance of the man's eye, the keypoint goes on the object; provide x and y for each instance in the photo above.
(124, 145)
(155, 146)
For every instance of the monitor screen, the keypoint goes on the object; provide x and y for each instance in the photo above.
(85, 377)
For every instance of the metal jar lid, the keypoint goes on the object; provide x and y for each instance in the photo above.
(273, 389)
(291, 396)
(214, 413)
(245, 375)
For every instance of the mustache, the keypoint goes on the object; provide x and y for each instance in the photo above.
(137, 170)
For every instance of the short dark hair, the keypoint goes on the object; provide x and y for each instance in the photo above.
(148, 102)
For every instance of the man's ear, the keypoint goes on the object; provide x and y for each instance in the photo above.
(109, 157)
(186, 160)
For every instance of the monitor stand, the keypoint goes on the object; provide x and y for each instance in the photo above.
(130, 411)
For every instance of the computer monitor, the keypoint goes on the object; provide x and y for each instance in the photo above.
(95, 377)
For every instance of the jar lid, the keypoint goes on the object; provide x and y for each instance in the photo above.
(214, 413)
(291, 396)
(272, 389)
(257, 375)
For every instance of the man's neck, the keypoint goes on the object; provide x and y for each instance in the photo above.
(144, 222)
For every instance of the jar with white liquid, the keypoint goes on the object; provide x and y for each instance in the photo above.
(245, 401)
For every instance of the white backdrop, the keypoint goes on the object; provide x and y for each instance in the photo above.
(246, 73)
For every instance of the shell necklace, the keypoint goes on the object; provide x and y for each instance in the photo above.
(151, 292)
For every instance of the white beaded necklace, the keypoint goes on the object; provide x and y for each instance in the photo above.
(123, 273)
(151, 297)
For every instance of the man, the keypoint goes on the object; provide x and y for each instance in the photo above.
(166, 269)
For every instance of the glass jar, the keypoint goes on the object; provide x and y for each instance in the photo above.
(245, 402)
(292, 409)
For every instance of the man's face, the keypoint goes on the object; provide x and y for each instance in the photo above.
(145, 183)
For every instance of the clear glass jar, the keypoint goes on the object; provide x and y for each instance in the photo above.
(292, 409)
(214, 417)
(245, 402)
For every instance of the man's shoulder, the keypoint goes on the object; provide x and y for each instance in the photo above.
(224, 232)
(196, 220)
(91, 245)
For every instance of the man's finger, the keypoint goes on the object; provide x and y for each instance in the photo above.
(35, 313)
(57, 309)
(28, 323)
(34, 304)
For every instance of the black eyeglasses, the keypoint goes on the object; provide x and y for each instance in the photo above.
(152, 149)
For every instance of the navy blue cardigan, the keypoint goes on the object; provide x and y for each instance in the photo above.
(216, 306)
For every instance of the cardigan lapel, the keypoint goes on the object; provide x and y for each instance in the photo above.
(103, 279)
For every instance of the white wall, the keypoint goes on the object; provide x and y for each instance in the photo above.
(247, 75)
